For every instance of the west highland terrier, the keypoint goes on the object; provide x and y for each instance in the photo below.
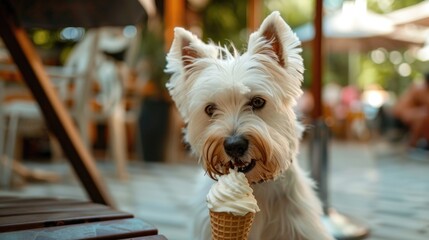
(238, 109)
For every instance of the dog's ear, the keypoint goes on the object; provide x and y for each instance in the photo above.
(276, 40)
(185, 50)
(184, 60)
(275, 45)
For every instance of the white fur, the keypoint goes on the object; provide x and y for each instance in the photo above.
(271, 68)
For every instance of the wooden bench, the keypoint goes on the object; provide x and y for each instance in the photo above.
(49, 218)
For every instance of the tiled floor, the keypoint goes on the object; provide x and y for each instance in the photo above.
(384, 189)
(390, 192)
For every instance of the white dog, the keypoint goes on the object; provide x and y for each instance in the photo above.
(239, 113)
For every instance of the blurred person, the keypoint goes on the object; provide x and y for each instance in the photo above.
(333, 102)
(356, 125)
(350, 95)
(412, 109)
(334, 111)
(331, 94)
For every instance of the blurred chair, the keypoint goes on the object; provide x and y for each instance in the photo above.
(87, 66)
(96, 69)
(18, 114)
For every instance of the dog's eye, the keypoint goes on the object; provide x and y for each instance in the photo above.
(210, 109)
(257, 102)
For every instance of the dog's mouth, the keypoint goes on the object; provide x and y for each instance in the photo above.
(241, 166)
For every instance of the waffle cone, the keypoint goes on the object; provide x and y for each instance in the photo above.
(227, 226)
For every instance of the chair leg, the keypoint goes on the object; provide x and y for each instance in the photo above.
(117, 141)
(56, 150)
(2, 155)
(3, 158)
(8, 158)
(2, 137)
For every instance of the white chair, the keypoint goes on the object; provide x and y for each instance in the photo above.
(12, 114)
(86, 65)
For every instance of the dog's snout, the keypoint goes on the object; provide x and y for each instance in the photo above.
(235, 146)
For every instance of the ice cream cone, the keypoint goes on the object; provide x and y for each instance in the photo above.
(228, 226)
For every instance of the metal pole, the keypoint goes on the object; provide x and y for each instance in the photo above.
(340, 226)
(317, 64)
(319, 160)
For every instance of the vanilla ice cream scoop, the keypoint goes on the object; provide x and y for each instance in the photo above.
(232, 194)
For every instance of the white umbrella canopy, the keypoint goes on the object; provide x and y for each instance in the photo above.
(354, 28)
(414, 21)
(416, 14)
(410, 34)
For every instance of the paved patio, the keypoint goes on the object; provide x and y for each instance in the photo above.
(381, 186)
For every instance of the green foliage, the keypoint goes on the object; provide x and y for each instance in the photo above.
(384, 74)
(224, 22)
(385, 6)
(296, 13)
(337, 73)
(153, 53)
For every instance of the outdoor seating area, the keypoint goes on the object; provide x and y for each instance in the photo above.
(92, 139)
(385, 191)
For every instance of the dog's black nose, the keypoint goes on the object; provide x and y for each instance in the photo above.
(235, 146)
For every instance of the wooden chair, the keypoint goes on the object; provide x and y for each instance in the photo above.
(85, 67)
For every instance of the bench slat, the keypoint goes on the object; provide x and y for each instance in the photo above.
(29, 221)
(114, 229)
(67, 207)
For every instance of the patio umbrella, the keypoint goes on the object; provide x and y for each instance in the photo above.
(414, 22)
(417, 14)
(354, 28)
